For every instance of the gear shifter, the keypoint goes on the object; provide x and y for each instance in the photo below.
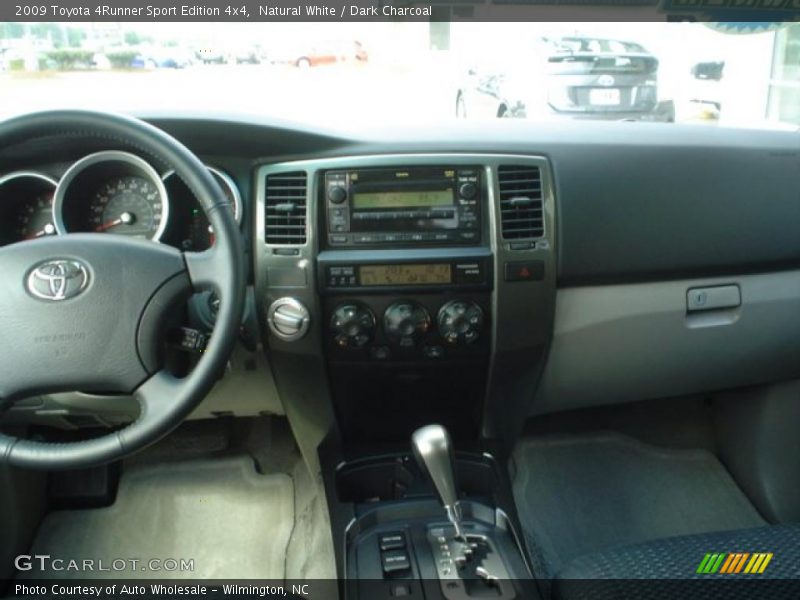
(434, 452)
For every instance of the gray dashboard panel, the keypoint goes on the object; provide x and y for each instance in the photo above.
(623, 343)
(636, 201)
(645, 212)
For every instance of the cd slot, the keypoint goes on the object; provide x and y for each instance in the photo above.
(398, 215)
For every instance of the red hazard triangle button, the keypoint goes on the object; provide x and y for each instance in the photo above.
(525, 271)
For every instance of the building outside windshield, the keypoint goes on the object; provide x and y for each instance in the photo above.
(396, 73)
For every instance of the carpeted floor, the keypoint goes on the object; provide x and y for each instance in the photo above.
(231, 520)
(583, 493)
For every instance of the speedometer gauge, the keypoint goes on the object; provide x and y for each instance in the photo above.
(128, 206)
(112, 192)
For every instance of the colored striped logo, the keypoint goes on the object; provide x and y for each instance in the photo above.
(734, 562)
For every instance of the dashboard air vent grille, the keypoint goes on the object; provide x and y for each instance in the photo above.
(521, 214)
(286, 208)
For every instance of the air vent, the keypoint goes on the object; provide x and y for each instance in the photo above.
(285, 210)
(521, 215)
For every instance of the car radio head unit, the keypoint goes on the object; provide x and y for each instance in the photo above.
(395, 206)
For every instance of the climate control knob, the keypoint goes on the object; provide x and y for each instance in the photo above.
(405, 323)
(353, 325)
(460, 322)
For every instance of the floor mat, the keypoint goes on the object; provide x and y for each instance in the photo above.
(222, 514)
(584, 493)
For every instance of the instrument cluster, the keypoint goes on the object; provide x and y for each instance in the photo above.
(110, 192)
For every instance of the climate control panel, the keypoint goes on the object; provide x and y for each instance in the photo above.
(425, 327)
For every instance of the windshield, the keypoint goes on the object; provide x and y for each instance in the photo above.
(396, 73)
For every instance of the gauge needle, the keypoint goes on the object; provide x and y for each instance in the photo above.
(48, 229)
(125, 218)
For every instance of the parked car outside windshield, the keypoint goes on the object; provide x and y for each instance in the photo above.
(578, 77)
(396, 73)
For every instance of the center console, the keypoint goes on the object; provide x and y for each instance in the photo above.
(405, 276)
(398, 291)
(465, 546)
(402, 270)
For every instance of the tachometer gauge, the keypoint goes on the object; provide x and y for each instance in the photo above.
(129, 206)
(26, 206)
(35, 217)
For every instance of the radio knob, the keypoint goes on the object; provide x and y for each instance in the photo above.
(352, 325)
(460, 322)
(468, 191)
(405, 323)
(337, 194)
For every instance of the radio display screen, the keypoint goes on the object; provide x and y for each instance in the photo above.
(402, 199)
(429, 274)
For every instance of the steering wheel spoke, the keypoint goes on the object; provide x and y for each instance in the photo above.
(159, 405)
(204, 268)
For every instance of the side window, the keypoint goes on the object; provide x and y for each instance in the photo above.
(784, 94)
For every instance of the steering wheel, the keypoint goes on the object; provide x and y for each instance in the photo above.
(85, 311)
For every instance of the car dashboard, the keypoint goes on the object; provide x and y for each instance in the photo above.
(466, 274)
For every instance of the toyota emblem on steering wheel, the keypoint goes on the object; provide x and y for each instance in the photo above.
(57, 280)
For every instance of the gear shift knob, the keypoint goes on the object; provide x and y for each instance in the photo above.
(434, 453)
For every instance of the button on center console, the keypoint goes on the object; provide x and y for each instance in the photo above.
(395, 561)
(532, 270)
(394, 555)
(392, 541)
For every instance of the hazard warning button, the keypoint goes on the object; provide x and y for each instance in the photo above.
(531, 270)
